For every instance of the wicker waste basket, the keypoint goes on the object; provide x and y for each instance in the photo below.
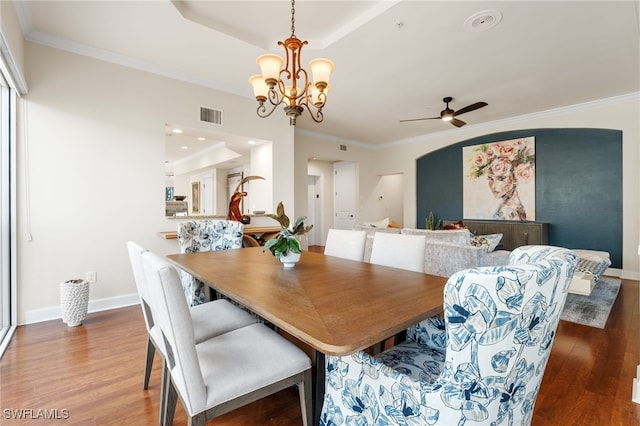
(74, 301)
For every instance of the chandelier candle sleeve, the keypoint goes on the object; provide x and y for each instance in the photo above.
(290, 85)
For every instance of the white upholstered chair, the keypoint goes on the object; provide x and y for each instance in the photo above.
(209, 319)
(345, 243)
(399, 251)
(227, 371)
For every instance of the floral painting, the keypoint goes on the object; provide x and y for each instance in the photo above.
(499, 180)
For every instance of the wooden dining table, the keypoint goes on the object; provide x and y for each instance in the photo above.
(334, 305)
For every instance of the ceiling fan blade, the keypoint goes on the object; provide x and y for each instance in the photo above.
(419, 119)
(457, 123)
(471, 107)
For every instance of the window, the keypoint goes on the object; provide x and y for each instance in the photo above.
(8, 315)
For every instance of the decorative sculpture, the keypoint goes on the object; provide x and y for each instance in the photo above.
(236, 198)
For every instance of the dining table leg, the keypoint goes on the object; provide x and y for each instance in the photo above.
(318, 397)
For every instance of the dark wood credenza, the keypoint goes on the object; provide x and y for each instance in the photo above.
(514, 234)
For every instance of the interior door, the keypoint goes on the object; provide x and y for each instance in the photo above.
(345, 188)
(207, 195)
(314, 210)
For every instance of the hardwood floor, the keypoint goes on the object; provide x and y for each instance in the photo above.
(92, 374)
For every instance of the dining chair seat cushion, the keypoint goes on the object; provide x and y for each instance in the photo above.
(345, 243)
(431, 332)
(399, 251)
(420, 362)
(218, 317)
(241, 361)
(210, 319)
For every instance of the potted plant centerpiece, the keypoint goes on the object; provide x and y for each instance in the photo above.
(285, 246)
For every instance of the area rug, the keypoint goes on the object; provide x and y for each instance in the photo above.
(592, 310)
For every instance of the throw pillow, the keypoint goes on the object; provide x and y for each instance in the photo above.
(382, 223)
(489, 242)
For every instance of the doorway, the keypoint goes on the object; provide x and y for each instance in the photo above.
(314, 209)
(345, 189)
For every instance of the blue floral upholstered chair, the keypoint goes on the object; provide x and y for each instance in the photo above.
(482, 363)
(205, 235)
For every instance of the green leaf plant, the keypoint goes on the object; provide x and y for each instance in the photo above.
(286, 242)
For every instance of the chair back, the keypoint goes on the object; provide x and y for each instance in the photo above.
(399, 251)
(205, 235)
(135, 256)
(174, 320)
(500, 324)
(209, 235)
(348, 244)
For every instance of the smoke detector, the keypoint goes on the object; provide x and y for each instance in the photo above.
(482, 21)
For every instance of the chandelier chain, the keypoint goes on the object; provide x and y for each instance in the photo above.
(293, 18)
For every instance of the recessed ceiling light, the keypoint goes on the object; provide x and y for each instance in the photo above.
(482, 21)
(251, 142)
(200, 138)
(177, 130)
(184, 147)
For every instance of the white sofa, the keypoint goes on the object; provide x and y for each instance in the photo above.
(446, 252)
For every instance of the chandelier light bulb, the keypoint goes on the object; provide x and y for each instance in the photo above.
(260, 88)
(270, 65)
(321, 70)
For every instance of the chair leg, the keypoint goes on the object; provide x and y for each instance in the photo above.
(306, 397)
(164, 394)
(170, 403)
(199, 419)
(400, 337)
(151, 351)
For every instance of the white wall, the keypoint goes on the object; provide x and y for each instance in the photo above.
(261, 191)
(389, 198)
(94, 166)
(313, 147)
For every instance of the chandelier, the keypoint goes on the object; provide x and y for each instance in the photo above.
(291, 85)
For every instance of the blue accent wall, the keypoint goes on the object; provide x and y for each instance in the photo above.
(578, 185)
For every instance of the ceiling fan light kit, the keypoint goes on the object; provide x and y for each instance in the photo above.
(291, 85)
(450, 115)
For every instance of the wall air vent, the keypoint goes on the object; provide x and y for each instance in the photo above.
(211, 115)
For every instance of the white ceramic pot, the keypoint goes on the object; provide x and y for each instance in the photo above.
(74, 301)
(290, 260)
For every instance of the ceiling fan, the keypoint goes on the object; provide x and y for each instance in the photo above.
(449, 115)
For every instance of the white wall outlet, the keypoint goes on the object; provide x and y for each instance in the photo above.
(92, 276)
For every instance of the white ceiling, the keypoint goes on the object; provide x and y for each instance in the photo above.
(394, 60)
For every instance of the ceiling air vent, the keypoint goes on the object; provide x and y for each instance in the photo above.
(210, 115)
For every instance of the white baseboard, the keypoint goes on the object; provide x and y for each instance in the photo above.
(626, 274)
(97, 305)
